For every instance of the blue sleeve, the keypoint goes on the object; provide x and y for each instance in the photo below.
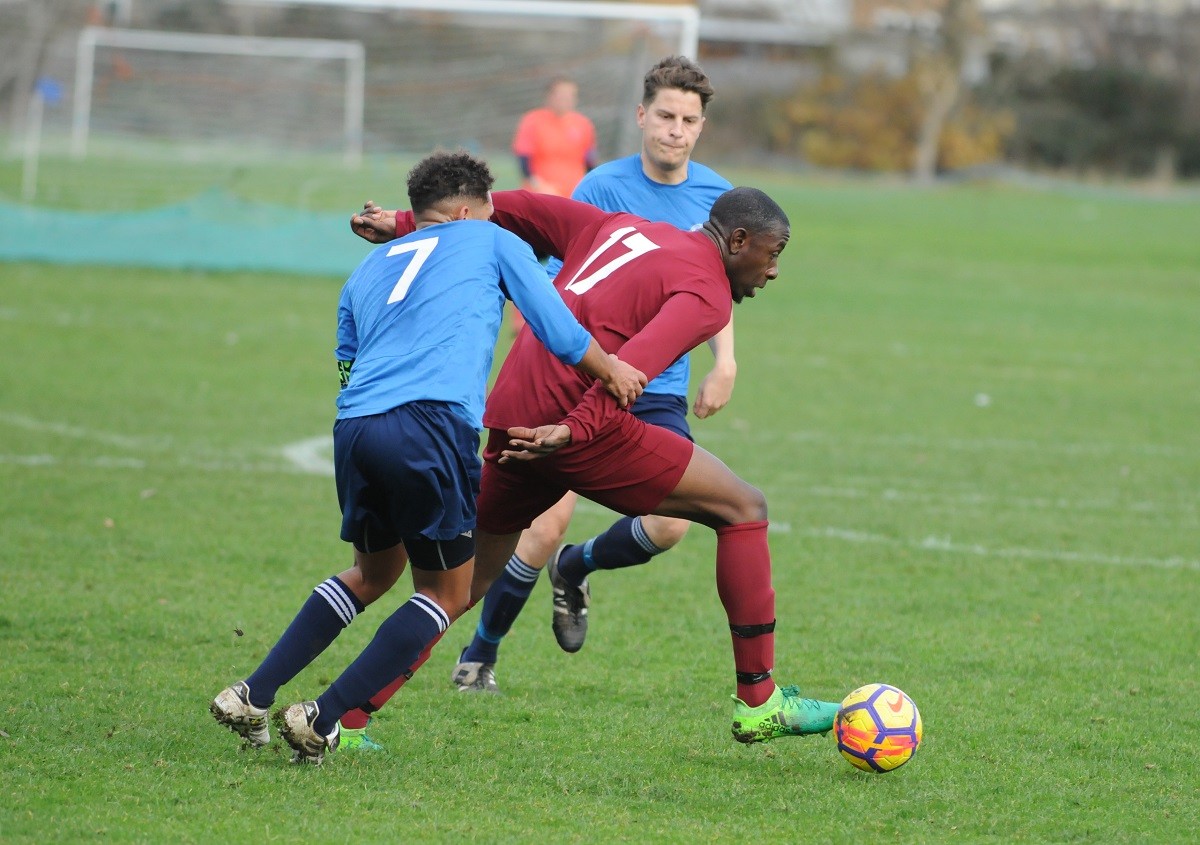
(347, 332)
(548, 316)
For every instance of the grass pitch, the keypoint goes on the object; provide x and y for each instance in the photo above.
(973, 410)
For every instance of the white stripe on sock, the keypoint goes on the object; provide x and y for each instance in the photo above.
(521, 571)
(431, 607)
(335, 594)
(643, 539)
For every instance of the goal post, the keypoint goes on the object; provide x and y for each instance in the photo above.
(459, 73)
(352, 78)
(153, 91)
(686, 15)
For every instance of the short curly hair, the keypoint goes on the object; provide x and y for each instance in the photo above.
(446, 175)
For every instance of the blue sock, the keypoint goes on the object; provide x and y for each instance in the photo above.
(329, 609)
(625, 543)
(397, 644)
(501, 607)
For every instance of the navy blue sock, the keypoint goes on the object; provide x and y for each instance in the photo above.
(625, 543)
(329, 609)
(396, 645)
(501, 607)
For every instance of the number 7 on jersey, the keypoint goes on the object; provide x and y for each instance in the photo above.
(422, 249)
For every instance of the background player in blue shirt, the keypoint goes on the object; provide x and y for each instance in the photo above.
(661, 183)
(417, 326)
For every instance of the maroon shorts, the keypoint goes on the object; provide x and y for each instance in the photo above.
(629, 467)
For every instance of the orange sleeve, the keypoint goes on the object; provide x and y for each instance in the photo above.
(525, 140)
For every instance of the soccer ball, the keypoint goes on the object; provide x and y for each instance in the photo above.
(878, 728)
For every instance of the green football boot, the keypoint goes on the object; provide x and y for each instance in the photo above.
(356, 739)
(785, 713)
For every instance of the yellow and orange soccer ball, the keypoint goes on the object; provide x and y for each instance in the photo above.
(878, 728)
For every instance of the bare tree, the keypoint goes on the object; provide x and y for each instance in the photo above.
(938, 62)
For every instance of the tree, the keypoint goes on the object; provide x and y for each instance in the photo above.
(1124, 98)
(937, 65)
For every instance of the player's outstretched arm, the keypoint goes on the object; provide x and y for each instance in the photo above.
(529, 444)
(373, 223)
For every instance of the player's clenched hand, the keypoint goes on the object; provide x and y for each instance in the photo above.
(529, 444)
(374, 224)
(625, 381)
(714, 393)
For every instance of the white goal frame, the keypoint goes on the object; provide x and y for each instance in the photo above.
(230, 45)
(687, 16)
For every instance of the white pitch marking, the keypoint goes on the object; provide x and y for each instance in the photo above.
(955, 444)
(945, 544)
(122, 441)
(102, 461)
(312, 455)
(29, 460)
(946, 498)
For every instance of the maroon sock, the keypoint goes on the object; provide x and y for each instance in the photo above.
(359, 716)
(356, 718)
(744, 585)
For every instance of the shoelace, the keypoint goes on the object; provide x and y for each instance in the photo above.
(794, 692)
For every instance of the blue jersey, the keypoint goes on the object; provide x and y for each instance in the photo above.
(621, 185)
(420, 315)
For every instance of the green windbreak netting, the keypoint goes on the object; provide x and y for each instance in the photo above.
(213, 231)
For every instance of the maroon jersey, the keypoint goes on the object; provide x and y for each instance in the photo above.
(646, 291)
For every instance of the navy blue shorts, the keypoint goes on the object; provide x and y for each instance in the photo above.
(409, 475)
(665, 410)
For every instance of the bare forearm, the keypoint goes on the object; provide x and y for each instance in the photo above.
(721, 345)
(716, 388)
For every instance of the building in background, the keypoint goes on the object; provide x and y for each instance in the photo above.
(762, 51)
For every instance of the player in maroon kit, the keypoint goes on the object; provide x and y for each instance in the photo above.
(650, 292)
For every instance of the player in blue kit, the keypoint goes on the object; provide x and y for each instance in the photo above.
(662, 184)
(650, 292)
(417, 326)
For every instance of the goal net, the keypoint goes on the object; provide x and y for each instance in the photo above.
(218, 92)
(178, 131)
(387, 76)
(456, 73)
